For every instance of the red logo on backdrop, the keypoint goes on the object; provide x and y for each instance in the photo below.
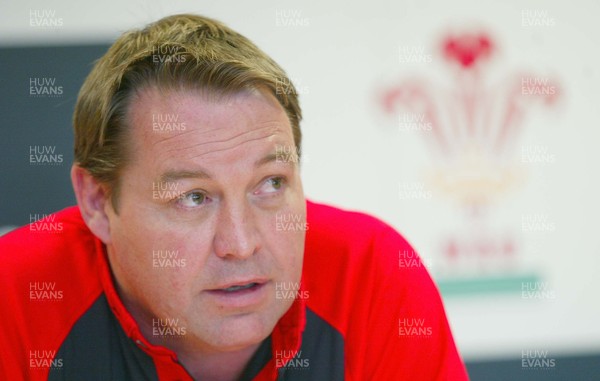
(467, 49)
(472, 126)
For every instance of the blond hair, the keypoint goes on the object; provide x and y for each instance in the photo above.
(180, 51)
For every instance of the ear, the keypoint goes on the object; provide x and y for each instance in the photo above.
(92, 199)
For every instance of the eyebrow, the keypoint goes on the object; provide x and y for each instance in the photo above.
(174, 175)
(266, 160)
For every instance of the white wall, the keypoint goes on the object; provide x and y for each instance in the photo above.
(342, 55)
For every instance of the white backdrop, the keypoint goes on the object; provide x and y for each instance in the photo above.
(343, 55)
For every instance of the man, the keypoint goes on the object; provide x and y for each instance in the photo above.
(192, 253)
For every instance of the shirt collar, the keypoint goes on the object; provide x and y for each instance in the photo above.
(286, 336)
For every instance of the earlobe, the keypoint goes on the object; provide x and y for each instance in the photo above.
(91, 199)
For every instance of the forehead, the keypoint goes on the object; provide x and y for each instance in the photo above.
(246, 107)
(191, 123)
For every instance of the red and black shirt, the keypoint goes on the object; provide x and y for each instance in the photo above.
(361, 316)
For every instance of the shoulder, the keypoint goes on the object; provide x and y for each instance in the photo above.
(359, 281)
(347, 229)
(351, 258)
(46, 246)
(48, 279)
(350, 238)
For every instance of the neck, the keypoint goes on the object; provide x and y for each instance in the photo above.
(201, 363)
(220, 366)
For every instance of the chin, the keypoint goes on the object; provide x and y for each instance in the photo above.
(241, 331)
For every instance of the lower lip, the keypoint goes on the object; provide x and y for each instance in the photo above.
(241, 298)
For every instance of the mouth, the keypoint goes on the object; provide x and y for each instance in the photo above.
(240, 294)
(239, 287)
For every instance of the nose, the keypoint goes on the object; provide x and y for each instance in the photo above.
(235, 233)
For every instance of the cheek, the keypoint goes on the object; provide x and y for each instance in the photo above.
(285, 234)
(159, 258)
(180, 257)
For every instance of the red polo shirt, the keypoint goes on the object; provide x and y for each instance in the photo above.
(361, 315)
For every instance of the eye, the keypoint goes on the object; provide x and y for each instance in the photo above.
(271, 185)
(276, 182)
(192, 199)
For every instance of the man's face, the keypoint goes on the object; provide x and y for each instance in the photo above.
(198, 209)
